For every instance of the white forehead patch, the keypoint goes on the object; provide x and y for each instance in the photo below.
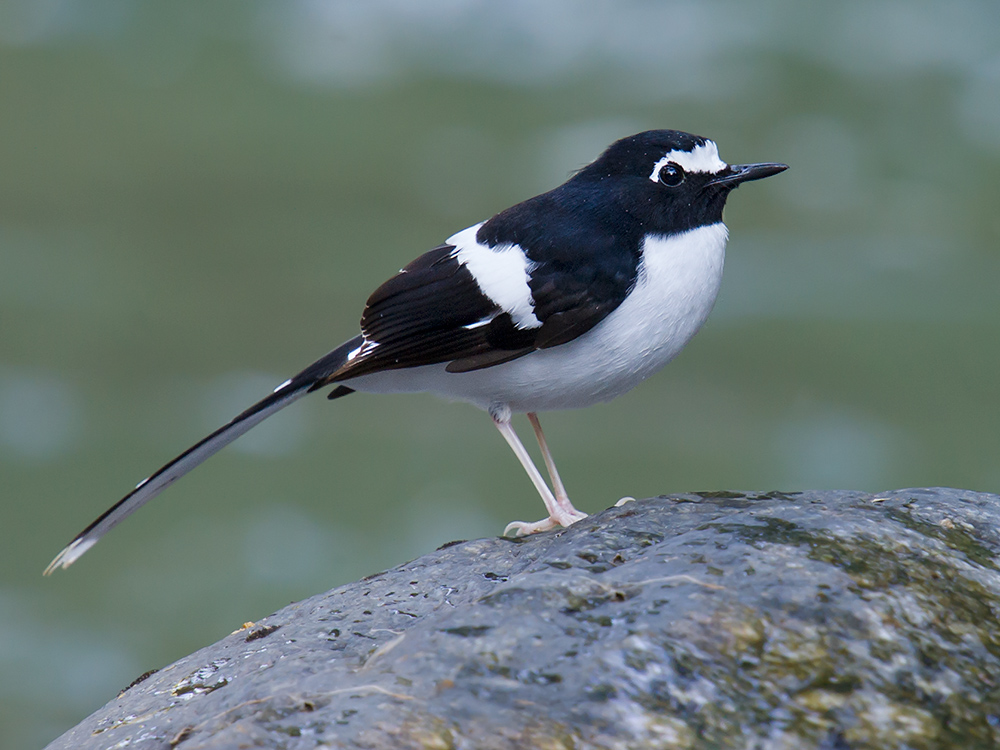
(703, 158)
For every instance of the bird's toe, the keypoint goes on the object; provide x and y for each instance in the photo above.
(523, 528)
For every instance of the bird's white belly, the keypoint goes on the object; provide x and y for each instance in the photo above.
(678, 281)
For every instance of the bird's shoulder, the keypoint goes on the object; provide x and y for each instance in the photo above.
(584, 251)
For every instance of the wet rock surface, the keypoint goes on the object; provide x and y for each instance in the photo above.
(725, 620)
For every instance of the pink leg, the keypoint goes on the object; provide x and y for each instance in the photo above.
(560, 490)
(558, 515)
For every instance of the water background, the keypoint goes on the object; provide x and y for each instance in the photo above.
(196, 199)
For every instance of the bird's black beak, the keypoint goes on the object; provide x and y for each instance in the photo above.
(739, 173)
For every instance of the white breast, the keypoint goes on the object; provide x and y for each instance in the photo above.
(678, 281)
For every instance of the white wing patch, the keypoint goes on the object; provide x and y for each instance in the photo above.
(703, 158)
(366, 346)
(501, 273)
(478, 324)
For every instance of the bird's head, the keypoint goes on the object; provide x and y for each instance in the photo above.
(669, 180)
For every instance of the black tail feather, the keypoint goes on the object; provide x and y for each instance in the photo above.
(291, 390)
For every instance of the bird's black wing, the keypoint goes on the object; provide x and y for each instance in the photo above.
(436, 311)
(584, 255)
(433, 311)
(573, 292)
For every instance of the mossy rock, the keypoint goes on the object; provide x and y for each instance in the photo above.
(719, 620)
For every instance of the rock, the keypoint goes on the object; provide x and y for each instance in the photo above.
(724, 620)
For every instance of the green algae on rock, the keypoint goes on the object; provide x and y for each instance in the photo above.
(724, 620)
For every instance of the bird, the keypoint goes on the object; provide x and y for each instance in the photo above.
(567, 299)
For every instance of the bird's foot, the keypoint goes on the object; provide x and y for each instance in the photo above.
(523, 528)
(626, 499)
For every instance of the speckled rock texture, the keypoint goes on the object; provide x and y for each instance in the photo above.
(719, 620)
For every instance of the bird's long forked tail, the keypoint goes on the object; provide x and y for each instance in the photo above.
(310, 379)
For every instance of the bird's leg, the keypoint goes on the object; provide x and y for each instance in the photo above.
(557, 515)
(557, 486)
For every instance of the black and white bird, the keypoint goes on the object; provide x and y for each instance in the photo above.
(572, 297)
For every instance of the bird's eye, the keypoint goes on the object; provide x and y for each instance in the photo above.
(671, 174)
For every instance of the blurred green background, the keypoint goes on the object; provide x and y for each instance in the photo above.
(196, 199)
